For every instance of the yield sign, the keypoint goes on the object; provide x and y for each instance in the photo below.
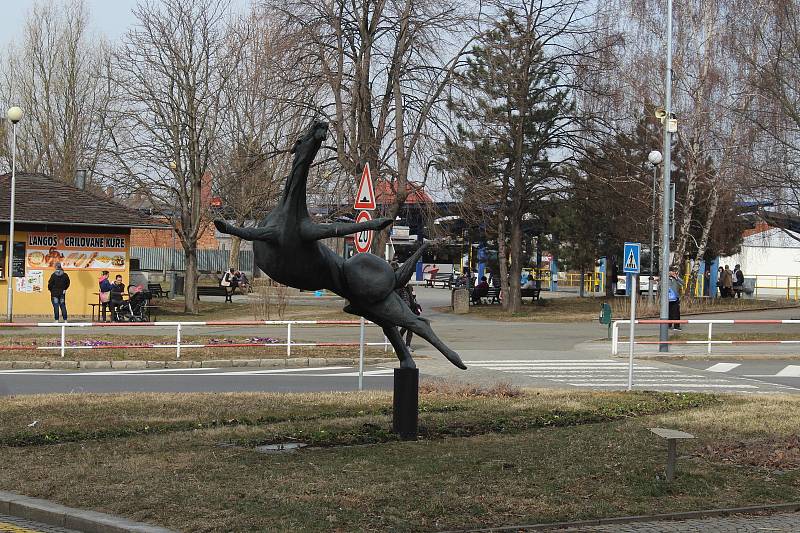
(365, 196)
(363, 238)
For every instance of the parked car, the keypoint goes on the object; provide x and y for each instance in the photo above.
(644, 284)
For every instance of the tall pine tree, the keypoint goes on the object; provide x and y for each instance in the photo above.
(516, 122)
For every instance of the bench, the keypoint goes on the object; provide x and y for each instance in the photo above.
(477, 295)
(156, 290)
(215, 291)
(444, 278)
(533, 294)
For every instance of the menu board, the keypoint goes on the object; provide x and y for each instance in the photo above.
(18, 260)
(33, 281)
(77, 251)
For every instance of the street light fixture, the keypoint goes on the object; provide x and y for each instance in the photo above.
(655, 158)
(14, 114)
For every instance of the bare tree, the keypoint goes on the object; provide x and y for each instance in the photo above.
(262, 119)
(57, 75)
(170, 76)
(386, 65)
(706, 84)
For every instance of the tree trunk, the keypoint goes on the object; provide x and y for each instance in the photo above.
(513, 295)
(190, 283)
(713, 202)
(233, 256)
(583, 281)
(502, 257)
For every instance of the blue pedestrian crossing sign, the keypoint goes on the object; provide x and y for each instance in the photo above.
(630, 257)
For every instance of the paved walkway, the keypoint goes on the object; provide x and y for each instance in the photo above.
(12, 524)
(784, 522)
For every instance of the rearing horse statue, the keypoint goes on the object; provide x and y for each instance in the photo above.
(286, 246)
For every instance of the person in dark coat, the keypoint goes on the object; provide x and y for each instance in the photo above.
(58, 285)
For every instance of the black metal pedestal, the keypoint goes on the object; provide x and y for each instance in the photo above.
(406, 403)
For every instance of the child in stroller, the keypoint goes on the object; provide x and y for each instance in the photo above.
(135, 308)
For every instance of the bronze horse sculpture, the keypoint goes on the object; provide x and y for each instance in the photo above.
(286, 246)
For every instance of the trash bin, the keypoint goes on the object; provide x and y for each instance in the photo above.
(178, 284)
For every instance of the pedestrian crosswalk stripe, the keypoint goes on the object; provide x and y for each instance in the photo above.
(791, 371)
(722, 367)
(610, 373)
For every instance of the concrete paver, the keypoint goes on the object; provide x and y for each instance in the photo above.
(781, 522)
(12, 524)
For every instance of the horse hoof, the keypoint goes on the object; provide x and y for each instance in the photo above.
(221, 225)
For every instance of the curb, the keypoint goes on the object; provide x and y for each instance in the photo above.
(55, 514)
(685, 515)
(291, 362)
(711, 357)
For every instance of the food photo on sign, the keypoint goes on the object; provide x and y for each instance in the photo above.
(76, 252)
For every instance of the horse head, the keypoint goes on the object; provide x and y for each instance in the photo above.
(308, 144)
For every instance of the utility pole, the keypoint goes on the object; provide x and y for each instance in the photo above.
(663, 283)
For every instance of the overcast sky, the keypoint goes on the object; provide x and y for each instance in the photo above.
(109, 17)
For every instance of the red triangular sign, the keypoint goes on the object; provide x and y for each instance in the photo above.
(365, 195)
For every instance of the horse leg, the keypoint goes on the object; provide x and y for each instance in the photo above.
(400, 348)
(248, 234)
(310, 231)
(421, 327)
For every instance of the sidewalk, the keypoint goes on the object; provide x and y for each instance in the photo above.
(783, 522)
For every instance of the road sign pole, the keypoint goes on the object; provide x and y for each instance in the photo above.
(635, 281)
(631, 256)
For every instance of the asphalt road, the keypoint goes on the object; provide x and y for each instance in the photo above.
(192, 380)
(563, 355)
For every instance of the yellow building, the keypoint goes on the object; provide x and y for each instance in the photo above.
(59, 223)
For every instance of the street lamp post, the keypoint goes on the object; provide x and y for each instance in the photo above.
(14, 114)
(655, 159)
(664, 280)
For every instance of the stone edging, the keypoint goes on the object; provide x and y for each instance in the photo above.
(685, 515)
(55, 514)
(294, 362)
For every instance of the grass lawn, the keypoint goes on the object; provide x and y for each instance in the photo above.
(172, 310)
(219, 351)
(575, 309)
(486, 457)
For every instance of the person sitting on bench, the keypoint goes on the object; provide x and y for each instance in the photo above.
(229, 281)
(480, 290)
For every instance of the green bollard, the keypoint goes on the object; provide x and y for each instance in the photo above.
(605, 317)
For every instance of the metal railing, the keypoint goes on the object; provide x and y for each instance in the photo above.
(180, 331)
(708, 341)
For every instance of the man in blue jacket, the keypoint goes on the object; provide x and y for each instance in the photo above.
(58, 285)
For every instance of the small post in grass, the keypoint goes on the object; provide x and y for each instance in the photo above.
(672, 436)
(405, 413)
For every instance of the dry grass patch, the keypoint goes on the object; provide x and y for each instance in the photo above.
(184, 480)
(220, 350)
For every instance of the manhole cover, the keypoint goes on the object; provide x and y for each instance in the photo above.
(283, 447)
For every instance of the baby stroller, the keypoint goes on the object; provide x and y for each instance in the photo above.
(134, 309)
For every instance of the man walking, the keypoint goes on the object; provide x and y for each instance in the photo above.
(674, 296)
(58, 285)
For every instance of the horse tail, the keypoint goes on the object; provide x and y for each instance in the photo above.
(404, 273)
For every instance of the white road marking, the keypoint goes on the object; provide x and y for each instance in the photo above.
(791, 371)
(609, 373)
(664, 385)
(722, 367)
